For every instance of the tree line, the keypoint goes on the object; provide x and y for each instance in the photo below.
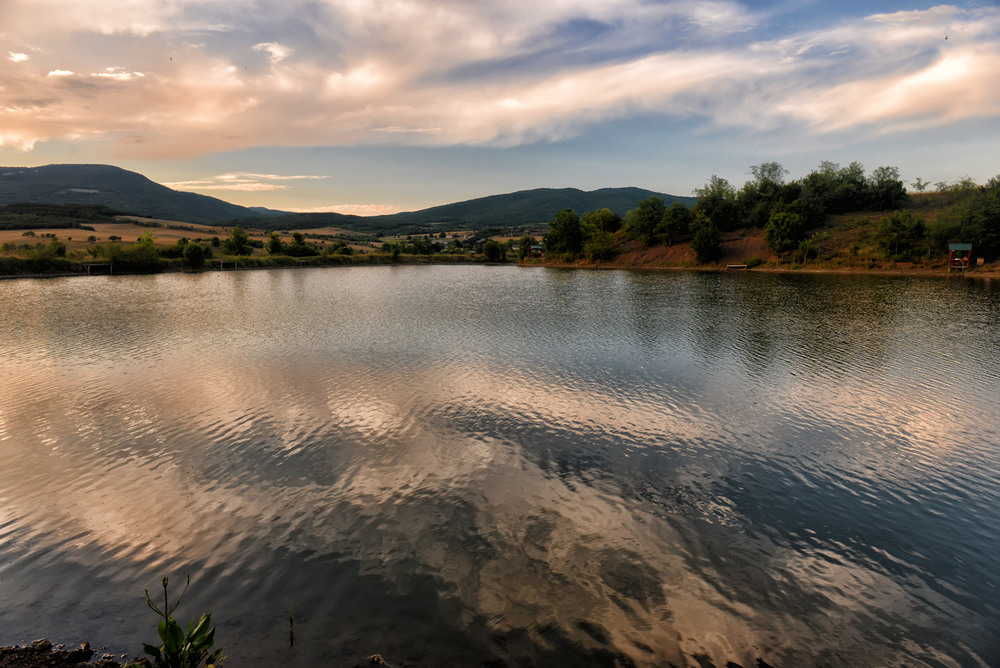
(786, 211)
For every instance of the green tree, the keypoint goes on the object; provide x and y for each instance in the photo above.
(675, 223)
(604, 220)
(641, 222)
(707, 242)
(717, 203)
(898, 232)
(768, 173)
(599, 246)
(784, 230)
(885, 189)
(194, 256)
(810, 248)
(493, 251)
(275, 246)
(565, 234)
(238, 242)
(978, 211)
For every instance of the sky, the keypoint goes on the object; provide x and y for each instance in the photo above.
(377, 106)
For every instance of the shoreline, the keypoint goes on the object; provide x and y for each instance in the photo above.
(986, 273)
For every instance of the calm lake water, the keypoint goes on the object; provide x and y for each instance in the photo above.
(499, 466)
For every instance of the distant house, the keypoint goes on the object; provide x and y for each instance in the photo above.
(535, 251)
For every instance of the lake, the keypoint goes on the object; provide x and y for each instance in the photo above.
(492, 465)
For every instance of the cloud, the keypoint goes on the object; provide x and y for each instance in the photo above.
(242, 182)
(353, 209)
(19, 142)
(276, 51)
(18, 57)
(186, 80)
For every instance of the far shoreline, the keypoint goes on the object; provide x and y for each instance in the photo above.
(983, 273)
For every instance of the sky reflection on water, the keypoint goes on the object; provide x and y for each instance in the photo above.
(454, 464)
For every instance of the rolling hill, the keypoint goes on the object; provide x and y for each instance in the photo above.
(129, 192)
(518, 210)
(114, 188)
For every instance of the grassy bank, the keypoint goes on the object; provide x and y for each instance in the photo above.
(853, 242)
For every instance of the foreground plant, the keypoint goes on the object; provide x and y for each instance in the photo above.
(180, 650)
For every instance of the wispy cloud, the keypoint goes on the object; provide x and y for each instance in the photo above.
(353, 209)
(243, 182)
(18, 57)
(192, 78)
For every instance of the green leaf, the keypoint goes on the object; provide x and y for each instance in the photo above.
(174, 640)
(198, 632)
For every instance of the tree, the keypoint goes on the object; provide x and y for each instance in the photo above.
(768, 173)
(784, 230)
(885, 190)
(810, 247)
(898, 232)
(275, 246)
(524, 245)
(675, 223)
(493, 251)
(707, 243)
(717, 203)
(194, 256)
(565, 234)
(238, 242)
(641, 222)
(604, 220)
(599, 246)
(919, 184)
(979, 217)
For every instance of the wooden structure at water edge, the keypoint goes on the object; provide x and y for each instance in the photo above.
(959, 256)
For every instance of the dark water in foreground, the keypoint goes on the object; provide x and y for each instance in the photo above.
(500, 466)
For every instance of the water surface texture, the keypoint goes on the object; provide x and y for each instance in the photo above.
(501, 466)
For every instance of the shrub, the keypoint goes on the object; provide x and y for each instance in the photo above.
(707, 243)
(784, 230)
(194, 256)
(180, 650)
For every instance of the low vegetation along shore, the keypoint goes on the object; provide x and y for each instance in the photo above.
(833, 219)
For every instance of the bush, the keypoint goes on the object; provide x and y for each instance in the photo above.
(707, 243)
(784, 230)
(194, 256)
(600, 246)
(898, 232)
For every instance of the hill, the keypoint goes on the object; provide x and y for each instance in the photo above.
(518, 210)
(114, 188)
(132, 193)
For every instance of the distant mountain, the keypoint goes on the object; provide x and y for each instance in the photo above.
(129, 192)
(523, 209)
(114, 188)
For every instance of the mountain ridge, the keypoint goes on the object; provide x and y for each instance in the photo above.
(134, 193)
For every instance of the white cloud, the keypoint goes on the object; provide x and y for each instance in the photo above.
(454, 72)
(242, 182)
(19, 142)
(18, 57)
(353, 209)
(275, 51)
